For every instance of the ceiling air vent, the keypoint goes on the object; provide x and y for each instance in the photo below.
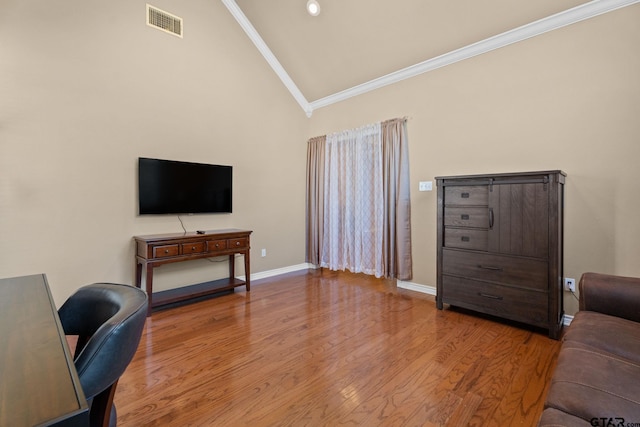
(164, 21)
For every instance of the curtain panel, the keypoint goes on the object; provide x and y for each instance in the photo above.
(315, 198)
(397, 197)
(358, 201)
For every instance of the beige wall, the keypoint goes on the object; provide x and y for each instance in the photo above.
(87, 89)
(566, 100)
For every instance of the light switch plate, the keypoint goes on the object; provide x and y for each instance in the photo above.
(425, 186)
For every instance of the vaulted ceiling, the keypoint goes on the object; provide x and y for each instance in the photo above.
(355, 42)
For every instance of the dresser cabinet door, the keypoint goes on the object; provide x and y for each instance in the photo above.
(519, 219)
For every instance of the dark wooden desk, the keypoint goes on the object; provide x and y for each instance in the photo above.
(39, 384)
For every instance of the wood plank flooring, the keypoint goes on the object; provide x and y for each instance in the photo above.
(323, 348)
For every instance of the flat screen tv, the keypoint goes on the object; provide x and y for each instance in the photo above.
(173, 187)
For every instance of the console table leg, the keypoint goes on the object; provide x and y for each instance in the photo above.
(247, 272)
(138, 274)
(149, 287)
(232, 267)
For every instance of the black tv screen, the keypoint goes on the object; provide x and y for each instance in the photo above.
(173, 187)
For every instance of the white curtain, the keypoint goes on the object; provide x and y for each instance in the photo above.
(354, 204)
(358, 201)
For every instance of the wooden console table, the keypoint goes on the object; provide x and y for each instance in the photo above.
(159, 249)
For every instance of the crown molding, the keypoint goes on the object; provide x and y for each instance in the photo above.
(536, 28)
(250, 30)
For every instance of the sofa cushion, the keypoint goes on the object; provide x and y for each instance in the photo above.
(551, 417)
(606, 333)
(589, 383)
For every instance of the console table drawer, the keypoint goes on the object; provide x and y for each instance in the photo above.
(165, 251)
(503, 301)
(193, 248)
(238, 243)
(216, 245)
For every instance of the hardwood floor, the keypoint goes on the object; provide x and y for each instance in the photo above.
(323, 348)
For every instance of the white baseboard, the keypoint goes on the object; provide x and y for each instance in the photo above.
(566, 320)
(278, 271)
(425, 289)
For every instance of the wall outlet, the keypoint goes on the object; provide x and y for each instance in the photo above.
(264, 253)
(569, 284)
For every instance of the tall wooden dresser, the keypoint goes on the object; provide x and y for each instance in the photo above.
(500, 246)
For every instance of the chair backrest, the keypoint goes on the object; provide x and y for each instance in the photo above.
(108, 319)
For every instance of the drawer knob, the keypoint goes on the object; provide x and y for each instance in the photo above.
(166, 251)
(193, 248)
(237, 243)
(217, 245)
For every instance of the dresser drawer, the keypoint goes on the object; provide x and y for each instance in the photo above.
(238, 243)
(514, 271)
(216, 245)
(466, 238)
(511, 303)
(466, 217)
(165, 251)
(193, 248)
(466, 195)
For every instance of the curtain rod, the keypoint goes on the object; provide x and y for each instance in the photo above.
(405, 118)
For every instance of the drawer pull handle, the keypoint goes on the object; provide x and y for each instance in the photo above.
(464, 195)
(490, 267)
(465, 238)
(491, 218)
(464, 216)
(496, 297)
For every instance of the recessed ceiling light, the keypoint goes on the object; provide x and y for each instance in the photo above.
(313, 8)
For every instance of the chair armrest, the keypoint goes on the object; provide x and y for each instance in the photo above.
(613, 295)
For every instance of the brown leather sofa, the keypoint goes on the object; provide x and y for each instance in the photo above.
(597, 379)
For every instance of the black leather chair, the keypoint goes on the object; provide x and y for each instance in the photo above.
(108, 320)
